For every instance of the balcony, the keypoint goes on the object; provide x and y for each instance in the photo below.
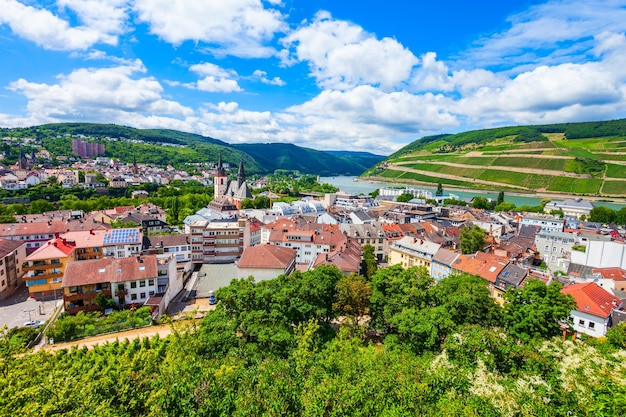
(86, 295)
(39, 266)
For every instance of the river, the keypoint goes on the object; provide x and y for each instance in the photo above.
(351, 186)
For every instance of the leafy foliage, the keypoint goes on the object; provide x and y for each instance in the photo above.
(472, 239)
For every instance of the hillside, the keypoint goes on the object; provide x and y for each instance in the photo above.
(181, 149)
(572, 158)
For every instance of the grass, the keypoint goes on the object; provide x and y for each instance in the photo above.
(614, 188)
(615, 171)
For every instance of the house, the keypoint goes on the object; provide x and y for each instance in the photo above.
(46, 265)
(555, 248)
(219, 241)
(512, 276)
(12, 254)
(346, 257)
(267, 261)
(543, 223)
(368, 234)
(442, 263)
(409, 251)
(571, 208)
(178, 245)
(129, 281)
(34, 234)
(592, 315)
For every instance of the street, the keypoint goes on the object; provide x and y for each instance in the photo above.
(19, 308)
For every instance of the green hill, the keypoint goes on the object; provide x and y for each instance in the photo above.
(181, 149)
(571, 158)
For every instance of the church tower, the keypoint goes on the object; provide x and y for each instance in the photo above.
(220, 180)
(241, 174)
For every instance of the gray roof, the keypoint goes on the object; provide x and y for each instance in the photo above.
(445, 256)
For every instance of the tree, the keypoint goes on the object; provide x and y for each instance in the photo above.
(602, 214)
(353, 297)
(404, 198)
(500, 199)
(537, 310)
(481, 203)
(472, 240)
(41, 206)
(104, 302)
(439, 191)
(369, 264)
(504, 206)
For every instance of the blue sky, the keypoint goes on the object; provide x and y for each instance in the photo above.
(331, 75)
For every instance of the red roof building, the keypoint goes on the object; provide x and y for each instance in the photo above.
(594, 304)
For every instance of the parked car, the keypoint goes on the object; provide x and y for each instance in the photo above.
(35, 324)
(212, 299)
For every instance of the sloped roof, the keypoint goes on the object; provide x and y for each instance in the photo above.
(445, 256)
(7, 246)
(592, 299)
(54, 249)
(110, 270)
(266, 256)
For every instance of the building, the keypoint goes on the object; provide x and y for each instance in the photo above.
(368, 234)
(220, 241)
(46, 265)
(234, 191)
(409, 251)
(594, 304)
(32, 234)
(555, 248)
(129, 281)
(346, 257)
(178, 245)
(570, 208)
(87, 149)
(267, 261)
(349, 201)
(12, 254)
(512, 276)
(442, 263)
(543, 223)
(601, 254)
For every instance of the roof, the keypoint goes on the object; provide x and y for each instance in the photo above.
(54, 249)
(7, 246)
(484, 269)
(110, 270)
(34, 228)
(267, 256)
(616, 274)
(445, 256)
(178, 239)
(592, 299)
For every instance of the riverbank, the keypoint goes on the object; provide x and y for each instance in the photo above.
(354, 185)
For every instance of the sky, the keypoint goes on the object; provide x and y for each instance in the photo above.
(329, 75)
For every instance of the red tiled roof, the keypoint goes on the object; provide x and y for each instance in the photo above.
(34, 228)
(616, 274)
(592, 299)
(54, 249)
(266, 256)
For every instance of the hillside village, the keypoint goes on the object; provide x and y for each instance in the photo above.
(77, 256)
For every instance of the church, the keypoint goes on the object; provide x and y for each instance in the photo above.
(229, 193)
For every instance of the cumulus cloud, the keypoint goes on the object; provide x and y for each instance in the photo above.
(216, 79)
(262, 76)
(342, 55)
(235, 27)
(99, 94)
(104, 20)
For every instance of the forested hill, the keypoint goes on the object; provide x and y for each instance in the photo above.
(571, 158)
(164, 146)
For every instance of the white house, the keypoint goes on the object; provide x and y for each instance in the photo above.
(594, 304)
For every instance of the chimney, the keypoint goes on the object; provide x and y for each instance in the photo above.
(56, 235)
(139, 260)
(91, 232)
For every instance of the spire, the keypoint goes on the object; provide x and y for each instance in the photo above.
(220, 167)
(241, 175)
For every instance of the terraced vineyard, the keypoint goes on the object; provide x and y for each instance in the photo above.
(575, 158)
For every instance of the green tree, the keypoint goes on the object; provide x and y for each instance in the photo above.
(602, 214)
(500, 199)
(41, 206)
(439, 191)
(481, 203)
(104, 302)
(537, 310)
(353, 297)
(369, 264)
(504, 206)
(404, 198)
(472, 240)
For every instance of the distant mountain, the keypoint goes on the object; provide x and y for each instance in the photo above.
(164, 146)
(586, 158)
(291, 157)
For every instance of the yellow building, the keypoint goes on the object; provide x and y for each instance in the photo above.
(410, 251)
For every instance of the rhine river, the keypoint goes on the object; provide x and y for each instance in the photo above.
(349, 185)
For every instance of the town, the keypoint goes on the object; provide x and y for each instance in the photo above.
(80, 259)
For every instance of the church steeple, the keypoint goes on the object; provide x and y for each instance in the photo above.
(220, 183)
(241, 174)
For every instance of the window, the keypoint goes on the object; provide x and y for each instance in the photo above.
(547, 248)
(142, 283)
(581, 322)
(592, 325)
(150, 282)
(133, 284)
(143, 295)
(553, 248)
(151, 293)
(133, 297)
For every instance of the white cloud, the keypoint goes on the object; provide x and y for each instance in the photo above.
(236, 27)
(262, 76)
(216, 79)
(342, 55)
(555, 32)
(104, 21)
(107, 95)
